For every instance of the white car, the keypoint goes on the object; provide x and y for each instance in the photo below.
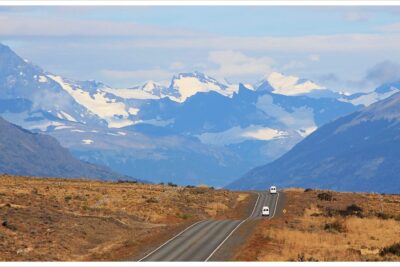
(265, 211)
(272, 189)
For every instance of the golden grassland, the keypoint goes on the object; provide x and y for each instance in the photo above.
(59, 219)
(348, 227)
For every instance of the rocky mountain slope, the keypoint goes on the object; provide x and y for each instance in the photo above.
(358, 152)
(35, 154)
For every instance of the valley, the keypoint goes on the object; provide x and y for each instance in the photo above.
(153, 130)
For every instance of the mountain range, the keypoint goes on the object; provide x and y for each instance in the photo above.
(194, 130)
(358, 152)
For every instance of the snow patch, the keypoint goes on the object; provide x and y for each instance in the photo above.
(42, 79)
(291, 85)
(300, 119)
(237, 134)
(370, 98)
(87, 141)
(133, 111)
(113, 112)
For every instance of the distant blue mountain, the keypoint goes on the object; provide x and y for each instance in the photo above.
(33, 154)
(358, 152)
(193, 130)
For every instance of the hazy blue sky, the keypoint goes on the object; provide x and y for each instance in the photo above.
(344, 48)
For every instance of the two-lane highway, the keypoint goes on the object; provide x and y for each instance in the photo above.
(201, 240)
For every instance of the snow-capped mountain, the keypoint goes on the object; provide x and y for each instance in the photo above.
(380, 93)
(194, 130)
(185, 85)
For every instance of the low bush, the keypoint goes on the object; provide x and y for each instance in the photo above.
(325, 196)
(308, 190)
(9, 226)
(199, 191)
(127, 182)
(301, 257)
(352, 209)
(184, 216)
(152, 200)
(335, 227)
(392, 249)
(172, 184)
(385, 216)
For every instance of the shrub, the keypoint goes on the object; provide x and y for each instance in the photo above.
(9, 226)
(392, 249)
(184, 216)
(199, 191)
(152, 200)
(325, 196)
(126, 181)
(308, 190)
(190, 186)
(302, 257)
(335, 227)
(172, 184)
(67, 198)
(383, 216)
(353, 209)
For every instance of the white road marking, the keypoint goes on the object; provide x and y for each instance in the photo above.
(215, 250)
(254, 209)
(151, 253)
(276, 204)
(219, 246)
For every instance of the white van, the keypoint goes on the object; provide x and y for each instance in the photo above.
(272, 189)
(265, 211)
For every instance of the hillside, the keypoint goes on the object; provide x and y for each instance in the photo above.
(34, 154)
(358, 152)
(328, 226)
(84, 220)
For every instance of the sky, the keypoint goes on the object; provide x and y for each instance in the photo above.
(342, 48)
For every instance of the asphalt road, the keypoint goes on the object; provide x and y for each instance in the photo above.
(201, 240)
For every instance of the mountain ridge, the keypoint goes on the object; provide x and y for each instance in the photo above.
(357, 152)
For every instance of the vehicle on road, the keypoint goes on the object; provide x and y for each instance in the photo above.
(265, 211)
(272, 189)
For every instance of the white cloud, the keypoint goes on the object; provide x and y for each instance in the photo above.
(393, 27)
(302, 44)
(177, 65)
(17, 25)
(356, 16)
(234, 63)
(293, 64)
(237, 135)
(125, 76)
(314, 57)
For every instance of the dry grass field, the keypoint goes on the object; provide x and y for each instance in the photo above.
(329, 226)
(58, 219)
